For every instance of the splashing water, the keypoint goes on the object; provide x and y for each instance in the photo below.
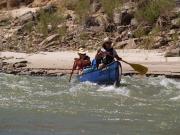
(50, 105)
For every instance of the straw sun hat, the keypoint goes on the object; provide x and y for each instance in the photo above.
(81, 51)
(107, 40)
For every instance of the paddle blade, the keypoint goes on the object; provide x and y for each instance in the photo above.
(139, 68)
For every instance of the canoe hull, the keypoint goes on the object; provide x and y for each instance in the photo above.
(109, 75)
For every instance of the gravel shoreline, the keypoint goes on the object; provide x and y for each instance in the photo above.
(60, 63)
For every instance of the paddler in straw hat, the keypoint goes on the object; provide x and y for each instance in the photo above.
(106, 54)
(82, 62)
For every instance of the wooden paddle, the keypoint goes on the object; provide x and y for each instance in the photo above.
(142, 70)
(137, 67)
(73, 68)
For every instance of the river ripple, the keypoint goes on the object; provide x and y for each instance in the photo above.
(50, 105)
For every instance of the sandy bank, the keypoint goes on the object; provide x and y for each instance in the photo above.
(61, 62)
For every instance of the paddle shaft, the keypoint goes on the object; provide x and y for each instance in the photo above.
(137, 67)
(73, 68)
(125, 62)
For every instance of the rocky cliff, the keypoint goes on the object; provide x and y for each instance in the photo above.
(50, 25)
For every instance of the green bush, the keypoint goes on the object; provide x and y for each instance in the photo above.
(110, 5)
(139, 32)
(62, 30)
(147, 43)
(155, 31)
(82, 8)
(28, 27)
(153, 9)
(46, 18)
(70, 4)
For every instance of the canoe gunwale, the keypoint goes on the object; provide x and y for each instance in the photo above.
(101, 69)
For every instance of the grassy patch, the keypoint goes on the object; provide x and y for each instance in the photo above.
(178, 21)
(175, 37)
(45, 19)
(62, 30)
(82, 8)
(147, 42)
(28, 27)
(84, 36)
(70, 4)
(110, 5)
(155, 31)
(153, 9)
(139, 32)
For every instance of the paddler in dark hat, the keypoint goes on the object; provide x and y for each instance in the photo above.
(106, 55)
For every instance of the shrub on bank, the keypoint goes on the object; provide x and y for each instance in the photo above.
(82, 8)
(110, 5)
(150, 10)
(47, 19)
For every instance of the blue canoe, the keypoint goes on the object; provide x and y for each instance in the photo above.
(109, 75)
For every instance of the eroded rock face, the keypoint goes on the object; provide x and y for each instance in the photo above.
(13, 3)
(3, 4)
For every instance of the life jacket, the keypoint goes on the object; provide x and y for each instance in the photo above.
(110, 58)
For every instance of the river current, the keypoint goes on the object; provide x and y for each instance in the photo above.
(53, 106)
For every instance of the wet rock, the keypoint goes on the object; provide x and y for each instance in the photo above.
(54, 73)
(173, 53)
(8, 66)
(1, 64)
(14, 72)
(38, 72)
(19, 65)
